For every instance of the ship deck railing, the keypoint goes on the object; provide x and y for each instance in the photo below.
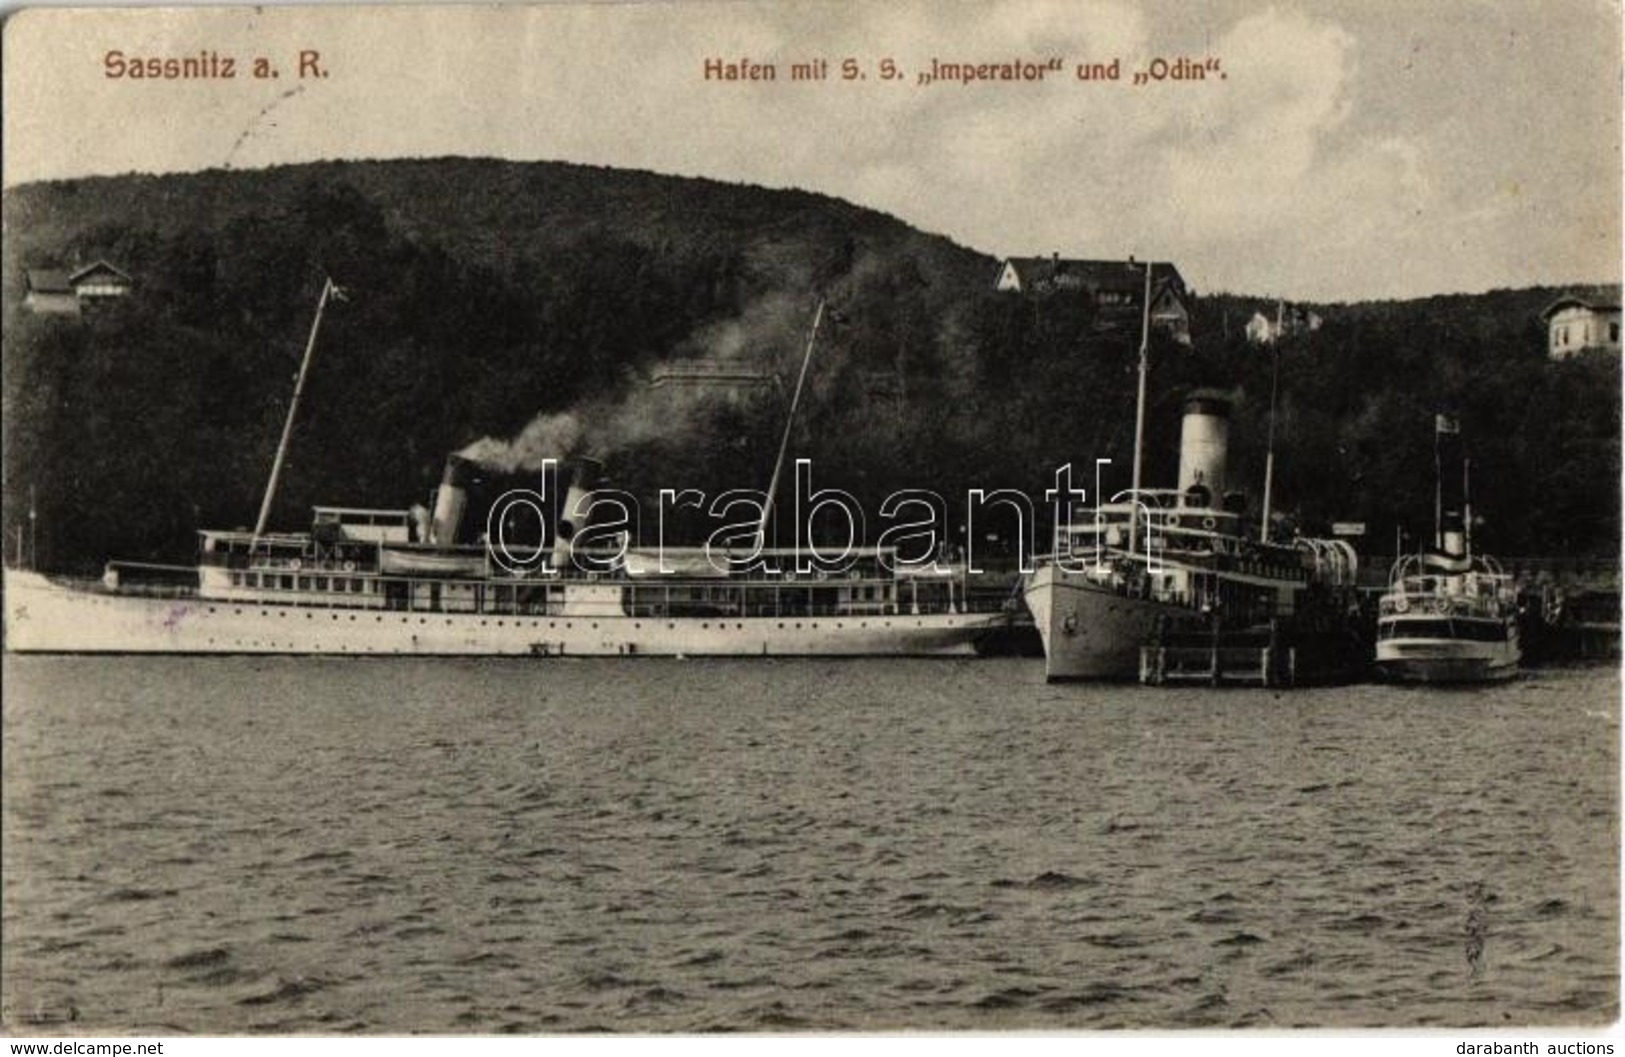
(721, 609)
(1433, 604)
(576, 609)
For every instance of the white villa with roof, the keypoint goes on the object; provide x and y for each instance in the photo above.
(1114, 287)
(50, 291)
(1574, 324)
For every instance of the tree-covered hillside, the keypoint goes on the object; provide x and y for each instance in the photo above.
(483, 294)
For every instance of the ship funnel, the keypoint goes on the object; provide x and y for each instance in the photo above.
(574, 514)
(450, 501)
(1451, 499)
(1204, 442)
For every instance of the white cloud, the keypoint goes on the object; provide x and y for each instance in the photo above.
(1329, 147)
(1253, 151)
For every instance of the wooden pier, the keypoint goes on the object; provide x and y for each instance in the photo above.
(1237, 658)
(1279, 654)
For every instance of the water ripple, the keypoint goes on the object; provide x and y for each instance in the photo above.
(311, 846)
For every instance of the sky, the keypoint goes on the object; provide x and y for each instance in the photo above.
(1350, 150)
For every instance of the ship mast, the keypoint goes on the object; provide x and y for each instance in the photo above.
(1269, 456)
(1438, 486)
(1139, 411)
(1466, 508)
(329, 292)
(789, 423)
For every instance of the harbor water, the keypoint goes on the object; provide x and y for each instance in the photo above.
(297, 845)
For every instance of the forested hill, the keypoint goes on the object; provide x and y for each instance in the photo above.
(486, 297)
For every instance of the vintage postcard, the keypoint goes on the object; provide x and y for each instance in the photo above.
(785, 518)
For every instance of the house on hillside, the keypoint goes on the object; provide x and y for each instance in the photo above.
(1115, 288)
(51, 291)
(48, 292)
(1574, 324)
(99, 281)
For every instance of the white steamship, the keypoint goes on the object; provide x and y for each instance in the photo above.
(370, 581)
(1449, 615)
(1165, 556)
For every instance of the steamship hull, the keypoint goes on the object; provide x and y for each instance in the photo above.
(1090, 631)
(1470, 651)
(1447, 662)
(51, 616)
